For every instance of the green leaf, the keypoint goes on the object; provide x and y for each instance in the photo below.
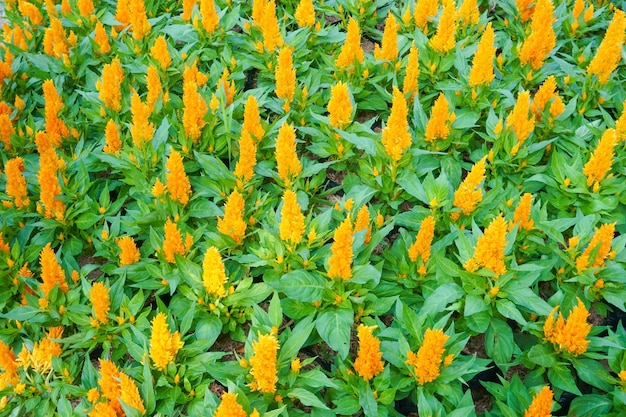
(209, 329)
(440, 298)
(479, 322)
(296, 340)
(161, 134)
(591, 405)
(86, 220)
(274, 311)
(593, 373)
(542, 356)
(510, 311)
(302, 285)
(499, 343)
(147, 388)
(333, 325)
(367, 400)
(561, 377)
(307, 398)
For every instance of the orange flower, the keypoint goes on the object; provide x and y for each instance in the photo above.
(542, 39)
(110, 86)
(427, 363)
(601, 159)
(340, 262)
(187, 9)
(369, 362)
(45, 350)
(129, 254)
(608, 55)
(288, 164)
(445, 38)
(30, 11)
(99, 297)
(16, 183)
(423, 242)
(6, 130)
(247, 156)
(229, 407)
(85, 7)
(49, 185)
(285, 77)
(466, 197)
(339, 106)
(194, 110)
(305, 14)
(620, 125)
(263, 364)
(122, 13)
(362, 222)
(173, 243)
(233, 224)
(521, 215)
(291, 219)
(469, 13)
(482, 64)
(351, 50)
(129, 393)
(55, 127)
(229, 87)
(4, 247)
(210, 19)
(55, 41)
(441, 117)
(160, 53)
(571, 334)
(602, 240)
(112, 138)
(489, 251)
(526, 8)
(542, 98)
(138, 19)
(163, 344)
(389, 49)
(252, 119)
(425, 10)
(520, 121)
(102, 39)
(109, 382)
(153, 83)
(9, 365)
(258, 10)
(214, 273)
(396, 136)
(270, 28)
(141, 130)
(177, 182)
(541, 406)
(412, 72)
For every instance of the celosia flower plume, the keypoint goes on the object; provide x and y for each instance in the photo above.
(285, 77)
(244, 168)
(542, 39)
(194, 109)
(113, 144)
(160, 52)
(362, 222)
(600, 242)
(141, 129)
(541, 405)
(16, 183)
(547, 95)
(525, 8)
(489, 251)
(445, 38)
(210, 19)
(110, 86)
(521, 215)
(427, 362)
(396, 136)
(351, 50)
(229, 407)
(177, 184)
(469, 13)
(608, 55)
(233, 223)
(252, 118)
(129, 254)
(340, 262)
(601, 159)
(288, 164)
(482, 64)
(270, 28)
(263, 367)
(466, 197)
(569, 335)
(412, 72)
(101, 302)
(55, 127)
(153, 83)
(388, 49)
(138, 19)
(441, 118)
(369, 362)
(520, 120)
(425, 10)
(339, 106)
(213, 273)
(173, 242)
(102, 39)
(292, 219)
(163, 344)
(305, 14)
(423, 241)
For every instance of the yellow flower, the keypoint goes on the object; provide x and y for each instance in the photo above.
(51, 272)
(102, 39)
(9, 365)
(489, 251)
(541, 406)
(288, 164)
(138, 19)
(122, 13)
(291, 219)
(49, 184)
(45, 350)
(270, 28)
(103, 410)
(427, 363)
(55, 127)
(85, 7)
(252, 119)
(369, 362)
(521, 215)
(229, 87)
(153, 83)
(469, 13)
(194, 110)
(110, 87)
(296, 365)
(99, 297)
(445, 38)
(210, 19)
(608, 55)
(178, 184)
(214, 273)
(129, 393)
(412, 72)
(247, 156)
(340, 262)
(16, 183)
(466, 197)
(423, 241)
(482, 64)
(305, 14)
(602, 240)
(389, 49)
(173, 243)
(425, 10)
(187, 9)
(109, 382)
(129, 254)
(263, 366)
(571, 334)
(55, 41)
(620, 125)
(396, 136)
(601, 159)
(113, 144)
(160, 53)
(351, 50)
(229, 407)
(520, 121)
(339, 106)
(233, 224)
(438, 126)
(538, 45)
(6, 130)
(30, 11)
(141, 129)
(163, 344)
(258, 10)
(542, 98)
(526, 9)
(158, 189)
(362, 222)
(285, 77)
